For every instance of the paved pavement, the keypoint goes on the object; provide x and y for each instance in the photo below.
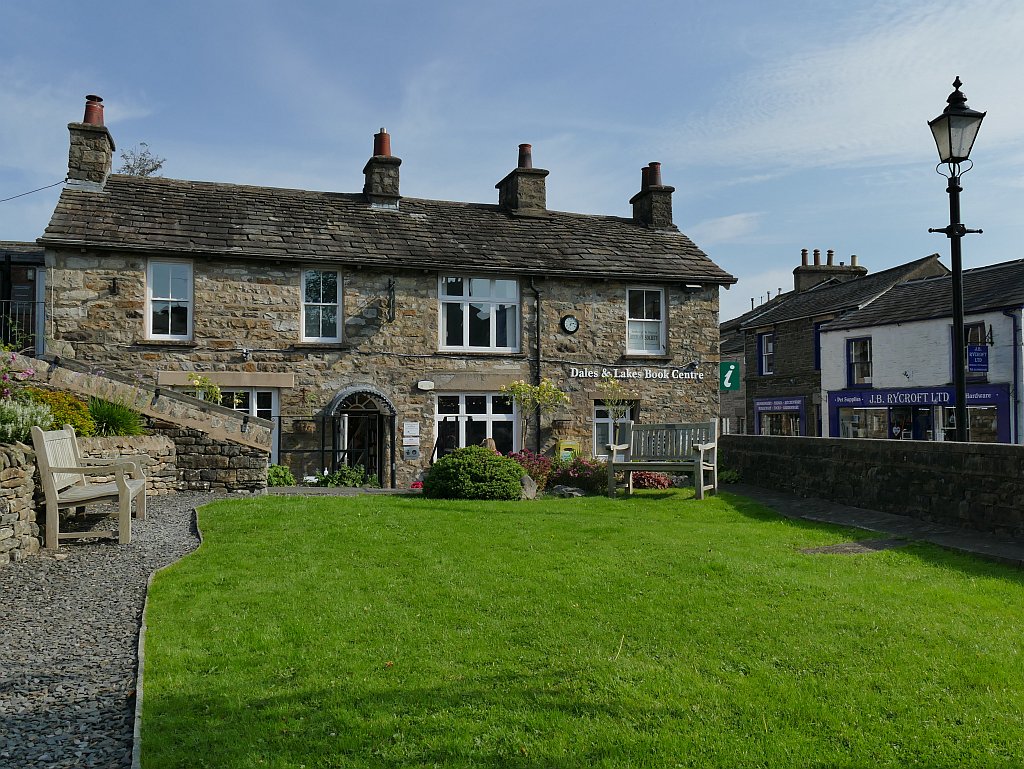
(992, 546)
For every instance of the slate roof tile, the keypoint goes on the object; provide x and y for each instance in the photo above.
(157, 214)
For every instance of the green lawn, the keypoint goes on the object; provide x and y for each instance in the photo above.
(657, 631)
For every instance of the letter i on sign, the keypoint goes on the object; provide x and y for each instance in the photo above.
(728, 375)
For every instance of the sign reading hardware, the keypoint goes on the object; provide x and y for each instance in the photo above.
(599, 372)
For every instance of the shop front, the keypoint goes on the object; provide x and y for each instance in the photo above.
(920, 413)
(780, 416)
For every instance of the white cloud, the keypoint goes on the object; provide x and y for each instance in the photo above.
(726, 229)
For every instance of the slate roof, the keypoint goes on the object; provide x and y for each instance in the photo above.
(832, 298)
(996, 287)
(158, 215)
(21, 253)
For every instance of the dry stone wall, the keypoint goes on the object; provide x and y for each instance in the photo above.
(19, 533)
(161, 472)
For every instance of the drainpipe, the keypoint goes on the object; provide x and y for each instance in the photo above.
(1014, 316)
(536, 352)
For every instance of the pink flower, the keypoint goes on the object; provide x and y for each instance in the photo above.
(416, 485)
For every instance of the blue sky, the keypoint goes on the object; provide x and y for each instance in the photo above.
(786, 125)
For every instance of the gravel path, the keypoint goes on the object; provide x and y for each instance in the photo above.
(69, 628)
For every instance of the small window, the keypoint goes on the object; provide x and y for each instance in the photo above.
(169, 299)
(858, 362)
(321, 306)
(645, 322)
(255, 403)
(817, 344)
(766, 353)
(603, 427)
(479, 313)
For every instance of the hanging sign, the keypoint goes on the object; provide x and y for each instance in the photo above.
(729, 375)
(977, 358)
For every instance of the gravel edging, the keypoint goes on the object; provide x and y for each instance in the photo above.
(71, 643)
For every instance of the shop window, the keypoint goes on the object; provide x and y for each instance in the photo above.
(645, 322)
(603, 427)
(982, 424)
(472, 418)
(479, 313)
(858, 362)
(780, 423)
(864, 423)
(766, 353)
(321, 306)
(169, 300)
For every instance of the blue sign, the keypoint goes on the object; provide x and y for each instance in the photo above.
(977, 358)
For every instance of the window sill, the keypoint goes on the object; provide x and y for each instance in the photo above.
(661, 356)
(166, 343)
(322, 346)
(484, 352)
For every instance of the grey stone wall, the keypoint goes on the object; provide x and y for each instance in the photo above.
(19, 533)
(161, 473)
(972, 485)
(256, 306)
(206, 464)
(90, 154)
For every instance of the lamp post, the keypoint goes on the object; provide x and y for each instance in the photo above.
(955, 131)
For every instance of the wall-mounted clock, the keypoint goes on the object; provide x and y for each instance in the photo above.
(570, 324)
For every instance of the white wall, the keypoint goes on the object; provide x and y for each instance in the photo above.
(916, 354)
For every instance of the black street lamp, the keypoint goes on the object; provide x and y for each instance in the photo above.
(955, 131)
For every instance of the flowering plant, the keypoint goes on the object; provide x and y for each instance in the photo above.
(536, 466)
(416, 485)
(642, 479)
(585, 473)
(9, 377)
(545, 397)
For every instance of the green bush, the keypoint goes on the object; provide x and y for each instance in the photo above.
(279, 475)
(115, 418)
(18, 417)
(474, 472)
(67, 409)
(729, 476)
(346, 477)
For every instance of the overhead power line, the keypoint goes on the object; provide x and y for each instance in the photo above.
(12, 197)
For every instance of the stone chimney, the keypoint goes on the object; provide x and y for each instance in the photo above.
(809, 275)
(524, 192)
(652, 206)
(381, 172)
(92, 148)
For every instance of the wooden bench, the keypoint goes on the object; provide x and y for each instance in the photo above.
(690, 447)
(67, 482)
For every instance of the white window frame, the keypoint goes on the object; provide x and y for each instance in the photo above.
(255, 411)
(601, 452)
(152, 298)
(466, 301)
(490, 417)
(662, 321)
(337, 304)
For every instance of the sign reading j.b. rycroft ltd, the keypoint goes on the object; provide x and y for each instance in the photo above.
(632, 372)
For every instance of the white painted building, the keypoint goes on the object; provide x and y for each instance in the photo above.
(887, 368)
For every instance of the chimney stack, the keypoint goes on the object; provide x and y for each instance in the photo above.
(810, 275)
(91, 152)
(652, 206)
(381, 173)
(524, 192)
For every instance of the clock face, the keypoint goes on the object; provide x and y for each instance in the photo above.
(570, 324)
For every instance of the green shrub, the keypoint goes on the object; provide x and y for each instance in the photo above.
(474, 472)
(346, 477)
(18, 417)
(729, 476)
(279, 475)
(585, 473)
(115, 418)
(67, 409)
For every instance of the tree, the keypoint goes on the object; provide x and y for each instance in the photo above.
(616, 400)
(544, 396)
(139, 161)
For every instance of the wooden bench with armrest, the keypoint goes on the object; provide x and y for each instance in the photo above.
(686, 447)
(70, 480)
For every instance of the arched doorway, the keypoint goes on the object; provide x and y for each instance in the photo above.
(361, 420)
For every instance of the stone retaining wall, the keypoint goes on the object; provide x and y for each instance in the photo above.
(972, 485)
(207, 464)
(161, 474)
(19, 534)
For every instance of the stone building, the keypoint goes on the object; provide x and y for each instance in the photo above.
(781, 339)
(376, 329)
